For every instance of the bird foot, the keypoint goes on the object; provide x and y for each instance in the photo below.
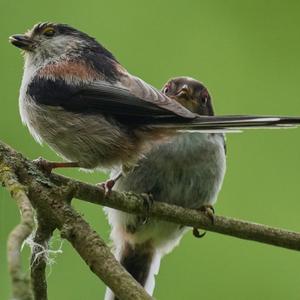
(209, 211)
(43, 164)
(147, 203)
(107, 186)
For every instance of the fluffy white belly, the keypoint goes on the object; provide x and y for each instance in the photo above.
(91, 140)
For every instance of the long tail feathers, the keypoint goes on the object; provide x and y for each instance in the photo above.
(229, 123)
(142, 262)
(154, 269)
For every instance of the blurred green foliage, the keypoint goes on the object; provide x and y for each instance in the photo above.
(248, 54)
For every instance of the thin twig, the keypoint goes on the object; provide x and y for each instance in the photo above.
(19, 279)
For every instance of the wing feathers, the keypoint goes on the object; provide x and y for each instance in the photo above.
(147, 107)
(148, 93)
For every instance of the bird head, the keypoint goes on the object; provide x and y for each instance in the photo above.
(190, 93)
(53, 41)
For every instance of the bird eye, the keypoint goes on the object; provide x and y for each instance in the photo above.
(204, 100)
(166, 89)
(49, 32)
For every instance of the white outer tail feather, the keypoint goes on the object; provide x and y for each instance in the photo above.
(155, 265)
(150, 281)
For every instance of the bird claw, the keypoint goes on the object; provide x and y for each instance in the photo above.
(107, 186)
(197, 234)
(209, 211)
(147, 203)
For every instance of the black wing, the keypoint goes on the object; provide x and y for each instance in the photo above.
(101, 97)
(153, 109)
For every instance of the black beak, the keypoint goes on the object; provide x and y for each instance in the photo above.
(21, 41)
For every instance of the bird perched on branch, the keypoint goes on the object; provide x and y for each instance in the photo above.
(188, 171)
(77, 98)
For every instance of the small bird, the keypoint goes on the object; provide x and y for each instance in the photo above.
(77, 98)
(187, 171)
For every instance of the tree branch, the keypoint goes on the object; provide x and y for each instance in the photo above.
(50, 195)
(19, 280)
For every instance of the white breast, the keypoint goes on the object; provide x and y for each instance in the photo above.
(25, 104)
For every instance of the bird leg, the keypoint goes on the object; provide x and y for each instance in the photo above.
(48, 166)
(109, 184)
(209, 211)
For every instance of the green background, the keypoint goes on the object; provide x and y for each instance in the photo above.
(248, 54)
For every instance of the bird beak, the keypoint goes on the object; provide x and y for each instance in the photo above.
(21, 41)
(184, 91)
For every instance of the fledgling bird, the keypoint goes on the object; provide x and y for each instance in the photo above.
(187, 171)
(77, 98)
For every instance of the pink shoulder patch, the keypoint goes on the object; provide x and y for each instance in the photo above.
(68, 70)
